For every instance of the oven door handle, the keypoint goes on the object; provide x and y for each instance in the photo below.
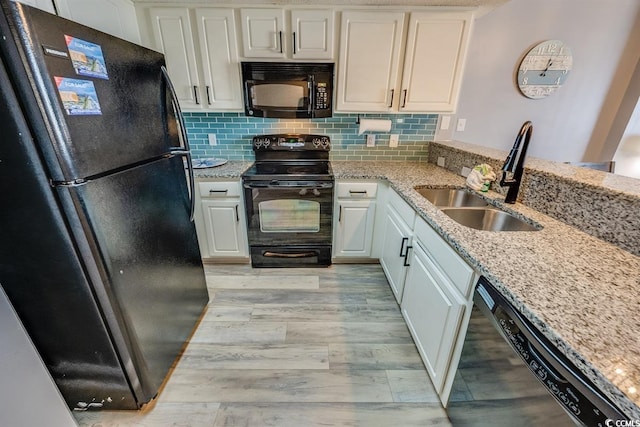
(285, 187)
(271, 254)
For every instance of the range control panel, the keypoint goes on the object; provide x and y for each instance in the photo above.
(291, 142)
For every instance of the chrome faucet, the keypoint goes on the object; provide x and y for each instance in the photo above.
(512, 170)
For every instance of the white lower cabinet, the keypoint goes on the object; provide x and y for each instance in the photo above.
(354, 217)
(433, 313)
(220, 220)
(354, 231)
(396, 242)
(433, 305)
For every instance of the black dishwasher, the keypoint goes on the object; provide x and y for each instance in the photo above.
(510, 374)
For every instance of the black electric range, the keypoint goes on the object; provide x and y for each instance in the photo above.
(289, 201)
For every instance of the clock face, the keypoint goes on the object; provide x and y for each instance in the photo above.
(544, 69)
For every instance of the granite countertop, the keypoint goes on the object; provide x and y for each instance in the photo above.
(231, 169)
(581, 292)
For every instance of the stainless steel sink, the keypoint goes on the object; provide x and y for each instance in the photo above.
(488, 219)
(451, 197)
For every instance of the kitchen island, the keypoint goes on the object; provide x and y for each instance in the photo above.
(581, 292)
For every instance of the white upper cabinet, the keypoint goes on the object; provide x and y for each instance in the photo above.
(383, 69)
(115, 17)
(263, 33)
(434, 61)
(220, 66)
(370, 53)
(46, 5)
(312, 34)
(172, 35)
(200, 49)
(287, 34)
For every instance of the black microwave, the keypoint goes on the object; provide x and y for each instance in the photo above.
(290, 90)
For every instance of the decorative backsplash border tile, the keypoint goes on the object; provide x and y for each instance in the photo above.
(234, 132)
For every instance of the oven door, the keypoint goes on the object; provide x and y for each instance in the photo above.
(289, 213)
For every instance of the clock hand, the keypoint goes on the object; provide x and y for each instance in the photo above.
(544, 72)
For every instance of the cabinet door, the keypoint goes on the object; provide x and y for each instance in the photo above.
(263, 33)
(395, 242)
(224, 228)
(115, 17)
(221, 69)
(433, 312)
(312, 34)
(434, 61)
(370, 48)
(354, 232)
(172, 35)
(46, 5)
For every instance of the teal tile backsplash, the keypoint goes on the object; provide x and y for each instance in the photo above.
(234, 132)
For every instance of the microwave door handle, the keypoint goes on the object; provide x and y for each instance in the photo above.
(312, 95)
(247, 105)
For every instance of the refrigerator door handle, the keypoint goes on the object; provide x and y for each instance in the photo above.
(185, 150)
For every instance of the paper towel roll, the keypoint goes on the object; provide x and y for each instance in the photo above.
(375, 125)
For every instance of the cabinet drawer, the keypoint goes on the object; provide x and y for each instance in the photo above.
(456, 269)
(357, 189)
(406, 212)
(219, 189)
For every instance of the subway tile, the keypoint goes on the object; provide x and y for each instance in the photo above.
(234, 132)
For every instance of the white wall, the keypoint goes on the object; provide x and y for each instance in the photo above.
(598, 32)
(627, 157)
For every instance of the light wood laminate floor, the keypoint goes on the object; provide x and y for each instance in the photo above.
(293, 347)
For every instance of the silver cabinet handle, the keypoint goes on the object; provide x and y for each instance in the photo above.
(340, 214)
(237, 215)
(218, 191)
(208, 95)
(357, 191)
(391, 103)
(195, 94)
(404, 98)
(280, 36)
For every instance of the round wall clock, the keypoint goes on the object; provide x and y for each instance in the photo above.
(544, 69)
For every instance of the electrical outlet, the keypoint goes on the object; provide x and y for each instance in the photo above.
(462, 123)
(465, 171)
(441, 162)
(212, 139)
(371, 140)
(393, 140)
(445, 122)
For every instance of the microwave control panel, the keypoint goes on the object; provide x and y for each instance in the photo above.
(322, 97)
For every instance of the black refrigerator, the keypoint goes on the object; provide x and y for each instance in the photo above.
(98, 251)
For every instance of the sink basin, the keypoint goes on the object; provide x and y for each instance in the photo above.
(488, 219)
(451, 197)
